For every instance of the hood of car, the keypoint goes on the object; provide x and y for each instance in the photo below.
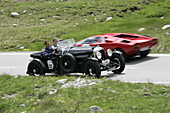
(80, 50)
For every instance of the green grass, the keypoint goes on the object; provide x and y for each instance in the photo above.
(32, 96)
(79, 19)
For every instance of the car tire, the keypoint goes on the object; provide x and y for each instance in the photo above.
(144, 54)
(120, 62)
(92, 68)
(35, 69)
(67, 63)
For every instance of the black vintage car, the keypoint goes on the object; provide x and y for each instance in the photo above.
(70, 59)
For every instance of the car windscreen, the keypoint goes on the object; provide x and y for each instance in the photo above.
(66, 43)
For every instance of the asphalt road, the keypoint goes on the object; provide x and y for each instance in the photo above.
(155, 68)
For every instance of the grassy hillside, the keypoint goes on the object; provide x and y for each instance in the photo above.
(41, 20)
(21, 94)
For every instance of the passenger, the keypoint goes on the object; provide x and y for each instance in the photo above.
(48, 50)
(55, 45)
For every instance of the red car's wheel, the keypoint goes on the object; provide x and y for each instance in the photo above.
(144, 54)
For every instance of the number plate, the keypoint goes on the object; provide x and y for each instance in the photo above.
(144, 48)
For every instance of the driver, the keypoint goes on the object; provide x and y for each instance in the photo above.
(55, 45)
(48, 50)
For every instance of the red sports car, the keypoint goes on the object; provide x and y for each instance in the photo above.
(129, 44)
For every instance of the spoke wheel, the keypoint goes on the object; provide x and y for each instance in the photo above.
(35, 69)
(67, 63)
(115, 62)
(118, 62)
(92, 68)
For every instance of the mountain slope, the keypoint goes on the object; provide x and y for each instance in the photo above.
(41, 20)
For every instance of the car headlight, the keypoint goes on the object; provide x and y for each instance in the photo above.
(99, 55)
(109, 52)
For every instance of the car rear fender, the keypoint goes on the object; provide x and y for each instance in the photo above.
(42, 63)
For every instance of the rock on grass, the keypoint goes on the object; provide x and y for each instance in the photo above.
(14, 14)
(166, 26)
(61, 81)
(93, 109)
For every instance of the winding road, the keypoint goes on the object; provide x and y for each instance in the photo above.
(155, 68)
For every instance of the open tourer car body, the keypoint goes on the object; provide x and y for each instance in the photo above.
(70, 59)
(127, 43)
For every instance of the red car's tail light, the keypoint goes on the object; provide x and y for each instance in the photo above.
(154, 41)
(136, 46)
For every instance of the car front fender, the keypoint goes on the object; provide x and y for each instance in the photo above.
(91, 58)
(116, 53)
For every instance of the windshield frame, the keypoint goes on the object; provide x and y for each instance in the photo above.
(68, 43)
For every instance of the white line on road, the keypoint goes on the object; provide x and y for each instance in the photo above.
(8, 67)
(18, 53)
